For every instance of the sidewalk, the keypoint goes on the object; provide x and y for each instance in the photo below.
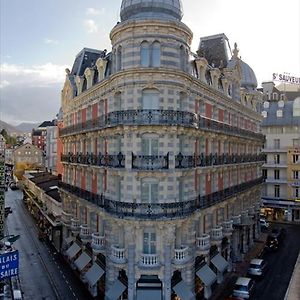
(225, 289)
(293, 291)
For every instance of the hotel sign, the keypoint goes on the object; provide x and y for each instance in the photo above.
(9, 264)
(286, 78)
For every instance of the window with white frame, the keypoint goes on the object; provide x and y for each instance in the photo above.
(149, 242)
(296, 174)
(276, 143)
(149, 144)
(155, 55)
(276, 174)
(276, 158)
(117, 102)
(295, 158)
(150, 99)
(145, 54)
(277, 191)
(149, 190)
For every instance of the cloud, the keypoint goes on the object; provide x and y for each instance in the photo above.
(90, 26)
(4, 83)
(94, 12)
(50, 41)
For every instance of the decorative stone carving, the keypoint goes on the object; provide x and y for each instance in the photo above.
(101, 64)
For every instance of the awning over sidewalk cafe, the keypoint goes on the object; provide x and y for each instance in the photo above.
(94, 274)
(182, 290)
(82, 261)
(73, 250)
(69, 240)
(116, 290)
(207, 276)
(148, 294)
(219, 262)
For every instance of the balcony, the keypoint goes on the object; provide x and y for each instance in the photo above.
(245, 219)
(99, 160)
(251, 211)
(227, 227)
(181, 255)
(149, 260)
(118, 254)
(158, 117)
(192, 161)
(236, 220)
(203, 242)
(66, 218)
(75, 225)
(170, 210)
(98, 242)
(216, 234)
(85, 233)
(150, 162)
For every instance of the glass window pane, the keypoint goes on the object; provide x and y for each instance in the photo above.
(145, 192)
(156, 54)
(154, 193)
(145, 57)
(154, 147)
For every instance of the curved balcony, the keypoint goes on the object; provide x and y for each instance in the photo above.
(66, 218)
(203, 242)
(150, 162)
(85, 233)
(118, 254)
(236, 220)
(227, 227)
(216, 234)
(99, 160)
(181, 255)
(158, 117)
(149, 260)
(193, 161)
(170, 210)
(98, 242)
(75, 225)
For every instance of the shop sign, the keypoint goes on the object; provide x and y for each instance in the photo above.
(286, 78)
(9, 264)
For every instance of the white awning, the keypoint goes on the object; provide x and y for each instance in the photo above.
(82, 261)
(73, 250)
(148, 294)
(219, 262)
(116, 290)
(207, 276)
(94, 274)
(182, 290)
(68, 240)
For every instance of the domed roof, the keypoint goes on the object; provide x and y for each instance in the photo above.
(151, 9)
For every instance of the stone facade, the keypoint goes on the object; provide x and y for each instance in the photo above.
(161, 163)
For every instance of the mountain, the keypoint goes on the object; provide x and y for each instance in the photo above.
(27, 127)
(9, 128)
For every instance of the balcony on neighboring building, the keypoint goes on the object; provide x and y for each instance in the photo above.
(66, 218)
(227, 227)
(181, 255)
(118, 254)
(75, 225)
(158, 117)
(203, 242)
(98, 242)
(99, 160)
(245, 218)
(149, 260)
(216, 234)
(85, 233)
(150, 162)
(236, 220)
(202, 160)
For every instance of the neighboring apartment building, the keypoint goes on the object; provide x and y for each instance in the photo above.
(281, 125)
(162, 167)
(39, 134)
(51, 148)
(28, 154)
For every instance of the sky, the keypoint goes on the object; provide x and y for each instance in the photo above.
(40, 39)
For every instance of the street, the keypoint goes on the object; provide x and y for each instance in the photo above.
(43, 273)
(281, 265)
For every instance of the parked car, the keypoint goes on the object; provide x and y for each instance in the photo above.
(243, 288)
(278, 233)
(271, 243)
(264, 224)
(257, 267)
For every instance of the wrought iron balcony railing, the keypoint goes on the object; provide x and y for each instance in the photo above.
(101, 160)
(150, 162)
(171, 210)
(158, 117)
(192, 161)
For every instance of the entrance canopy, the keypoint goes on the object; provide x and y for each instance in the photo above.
(219, 262)
(183, 291)
(207, 276)
(73, 250)
(82, 261)
(94, 274)
(116, 290)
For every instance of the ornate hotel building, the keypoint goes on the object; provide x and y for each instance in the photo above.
(161, 159)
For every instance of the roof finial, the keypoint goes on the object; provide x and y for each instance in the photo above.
(235, 51)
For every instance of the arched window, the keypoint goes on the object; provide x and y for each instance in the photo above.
(145, 54)
(155, 54)
(182, 58)
(119, 58)
(150, 99)
(149, 190)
